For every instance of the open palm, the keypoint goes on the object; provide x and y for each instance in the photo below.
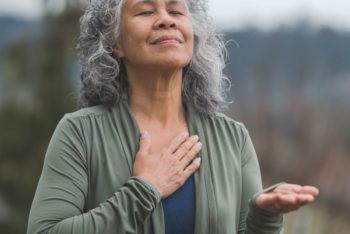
(286, 197)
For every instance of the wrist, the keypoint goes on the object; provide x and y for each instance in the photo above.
(151, 185)
(256, 203)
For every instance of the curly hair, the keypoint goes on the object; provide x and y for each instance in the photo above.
(103, 77)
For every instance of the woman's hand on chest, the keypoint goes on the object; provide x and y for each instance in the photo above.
(169, 168)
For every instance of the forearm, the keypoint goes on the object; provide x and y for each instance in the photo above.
(261, 221)
(124, 212)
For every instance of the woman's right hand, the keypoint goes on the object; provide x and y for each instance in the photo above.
(169, 169)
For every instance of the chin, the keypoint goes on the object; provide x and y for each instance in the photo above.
(172, 64)
(173, 61)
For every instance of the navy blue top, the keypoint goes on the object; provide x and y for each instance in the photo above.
(179, 209)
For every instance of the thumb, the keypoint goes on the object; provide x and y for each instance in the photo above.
(266, 199)
(145, 143)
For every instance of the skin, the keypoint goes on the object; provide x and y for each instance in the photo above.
(286, 198)
(167, 156)
(155, 77)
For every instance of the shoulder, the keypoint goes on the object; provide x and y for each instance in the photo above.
(93, 111)
(84, 119)
(223, 117)
(223, 120)
(224, 127)
(89, 114)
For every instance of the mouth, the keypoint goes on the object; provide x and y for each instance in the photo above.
(169, 39)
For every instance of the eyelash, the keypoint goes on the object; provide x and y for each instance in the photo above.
(146, 13)
(175, 12)
(151, 12)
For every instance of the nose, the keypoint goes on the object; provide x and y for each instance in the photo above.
(165, 21)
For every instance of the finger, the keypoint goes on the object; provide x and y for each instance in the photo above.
(145, 143)
(285, 205)
(192, 167)
(277, 203)
(177, 141)
(186, 146)
(286, 199)
(282, 203)
(270, 199)
(289, 187)
(309, 190)
(303, 199)
(186, 160)
(296, 199)
(293, 188)
(283, 191)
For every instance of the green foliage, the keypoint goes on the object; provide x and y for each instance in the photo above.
(39, 90)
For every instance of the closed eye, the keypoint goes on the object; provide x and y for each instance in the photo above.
(146, 13)
(176, 13)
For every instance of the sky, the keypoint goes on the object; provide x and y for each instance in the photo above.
(237, 14)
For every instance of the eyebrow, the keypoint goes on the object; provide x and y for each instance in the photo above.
(171, 2)
(175, 1)
(168, 1)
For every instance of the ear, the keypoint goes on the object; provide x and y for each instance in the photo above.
(118, 51)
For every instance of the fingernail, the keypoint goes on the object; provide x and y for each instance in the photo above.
(195, 138)
(185, 135)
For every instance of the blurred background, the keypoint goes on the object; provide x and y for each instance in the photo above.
(289, 63)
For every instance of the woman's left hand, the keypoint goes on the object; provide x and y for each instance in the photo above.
(286, 198)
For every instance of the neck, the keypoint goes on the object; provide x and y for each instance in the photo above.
(156, 97)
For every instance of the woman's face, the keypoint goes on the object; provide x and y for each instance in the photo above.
(155, 34)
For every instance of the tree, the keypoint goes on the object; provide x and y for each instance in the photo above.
(41, 72)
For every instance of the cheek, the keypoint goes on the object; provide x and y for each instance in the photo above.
(192, 42)
(190, 45)
(190, 35)
(134, 34)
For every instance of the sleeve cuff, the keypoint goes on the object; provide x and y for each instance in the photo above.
(150, 188)
(259, 219)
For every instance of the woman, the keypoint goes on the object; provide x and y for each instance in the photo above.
(128, 162)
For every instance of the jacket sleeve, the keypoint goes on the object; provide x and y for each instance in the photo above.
(60, 199)
(254, 220)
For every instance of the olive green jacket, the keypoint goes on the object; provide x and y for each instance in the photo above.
(87, 186)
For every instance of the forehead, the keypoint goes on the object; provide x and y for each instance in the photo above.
(169, 2)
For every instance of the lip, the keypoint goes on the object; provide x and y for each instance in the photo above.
(167, 39)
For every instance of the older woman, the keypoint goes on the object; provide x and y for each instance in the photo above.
(149, 153)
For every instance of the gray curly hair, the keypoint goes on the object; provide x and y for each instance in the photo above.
(103, 77)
